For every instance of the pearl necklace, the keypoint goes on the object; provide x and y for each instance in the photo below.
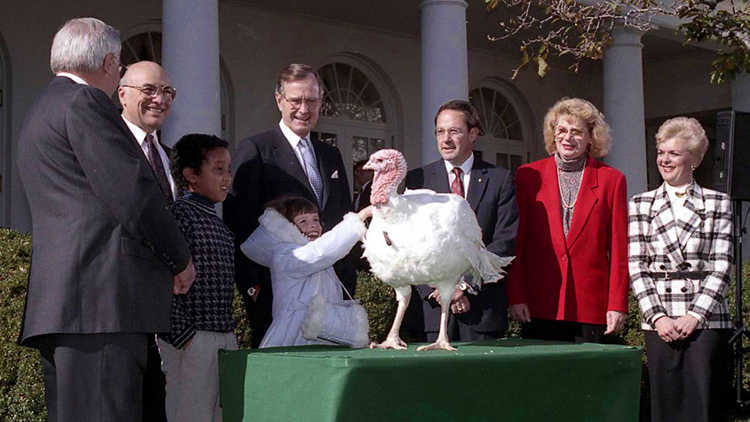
(559, 188)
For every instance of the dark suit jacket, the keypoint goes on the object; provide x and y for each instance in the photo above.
(266, 168)
(105, 245)
(580, 277)
(491, 195)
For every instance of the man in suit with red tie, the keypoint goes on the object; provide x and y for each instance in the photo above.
(475, 315)
(287, 160)
(146, 96)
(107, 253)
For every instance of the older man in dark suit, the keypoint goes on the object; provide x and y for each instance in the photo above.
(475, 315)
(286, 160)
(107, 253)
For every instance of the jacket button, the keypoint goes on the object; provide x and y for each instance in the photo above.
(564, 258)
(683, 290)
(669, 290)
(663, 267)
(688, 264)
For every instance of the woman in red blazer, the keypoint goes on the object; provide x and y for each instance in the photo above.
(569, 281)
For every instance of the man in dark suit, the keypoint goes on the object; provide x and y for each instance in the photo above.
(146, 95)
(475, 315)
(286, 160)
(107, 253)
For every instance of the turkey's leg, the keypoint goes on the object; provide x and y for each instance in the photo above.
(445, 304)
(393, 341)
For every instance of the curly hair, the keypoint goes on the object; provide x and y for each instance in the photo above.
(687, 129)
(601, 138)
(190, 151)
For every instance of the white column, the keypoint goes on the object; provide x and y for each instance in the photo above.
(623, 107)
(444, 64)
(190, 54)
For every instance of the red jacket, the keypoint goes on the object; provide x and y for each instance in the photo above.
(582, 277)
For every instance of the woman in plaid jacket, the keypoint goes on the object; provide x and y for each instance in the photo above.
(680, 258)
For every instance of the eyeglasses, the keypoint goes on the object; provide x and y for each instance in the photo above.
(151, 91)
(296, 103)
(120, 67)
(561, 133)
(452, 133)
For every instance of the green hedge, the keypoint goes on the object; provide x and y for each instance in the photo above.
(21, 384)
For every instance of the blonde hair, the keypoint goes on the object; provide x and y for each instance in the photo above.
(687, 129)
(601, 139)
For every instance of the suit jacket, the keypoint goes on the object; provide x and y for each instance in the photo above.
(701, 242)
(105, 245)
(581, 277)
(266, 167)
(491, 195)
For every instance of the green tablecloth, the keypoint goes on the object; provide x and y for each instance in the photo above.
(499, 380)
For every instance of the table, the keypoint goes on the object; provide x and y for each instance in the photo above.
(498, 380)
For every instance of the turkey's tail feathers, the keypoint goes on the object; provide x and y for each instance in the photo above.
(489, 267)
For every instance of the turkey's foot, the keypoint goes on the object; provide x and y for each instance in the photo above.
(389, 343)
(438, 345)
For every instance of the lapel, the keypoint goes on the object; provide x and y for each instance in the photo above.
(549, 194)
(437, 178)
(585, 201)
(323, 168)
(479, 179)
(695, 210)
(662, 224)
(285, 157)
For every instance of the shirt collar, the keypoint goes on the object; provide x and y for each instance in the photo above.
(465, 167)
(77, 79)
(138, 133)
(290, 136)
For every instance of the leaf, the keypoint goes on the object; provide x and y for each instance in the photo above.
(542, 67)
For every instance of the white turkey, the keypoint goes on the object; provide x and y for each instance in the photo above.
(422, 237)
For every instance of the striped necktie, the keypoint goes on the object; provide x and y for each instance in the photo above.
(154, 158)
(311, 168)
(457, 186)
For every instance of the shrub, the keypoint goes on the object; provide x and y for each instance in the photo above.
(21, 383)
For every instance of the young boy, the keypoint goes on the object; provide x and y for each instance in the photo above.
(201, 319)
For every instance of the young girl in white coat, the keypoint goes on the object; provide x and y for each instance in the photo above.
(290, 242)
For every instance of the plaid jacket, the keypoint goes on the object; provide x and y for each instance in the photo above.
(702, 243)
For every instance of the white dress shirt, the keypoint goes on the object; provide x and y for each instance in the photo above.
(294, 139)
(77, 79)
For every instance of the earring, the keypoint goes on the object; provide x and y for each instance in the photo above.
(692, 168)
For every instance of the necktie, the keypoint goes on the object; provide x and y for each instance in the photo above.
(311, 168)
(158, 166)
(457, 186)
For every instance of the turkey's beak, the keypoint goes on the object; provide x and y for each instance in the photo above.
(368, 166)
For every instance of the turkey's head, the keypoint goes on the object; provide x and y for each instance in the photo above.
(390, 168)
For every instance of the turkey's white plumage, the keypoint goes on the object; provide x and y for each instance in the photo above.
(423, 237)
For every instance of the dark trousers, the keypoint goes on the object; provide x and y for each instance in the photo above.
(688, 377)
(93, 377)
(154, 385)
(575, 332)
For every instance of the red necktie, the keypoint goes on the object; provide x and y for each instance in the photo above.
(457, 186)
(158, 166)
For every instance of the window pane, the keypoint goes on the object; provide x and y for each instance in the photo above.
(348, 92)
(499, 118)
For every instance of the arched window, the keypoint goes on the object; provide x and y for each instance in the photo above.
(504, 138)
(147, 46)
(356, 115)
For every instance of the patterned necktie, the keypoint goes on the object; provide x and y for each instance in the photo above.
(457, 186)
(311, 168)
(158, 166)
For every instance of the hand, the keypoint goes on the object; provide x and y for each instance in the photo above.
(685, 325)
(665, 326)
(615, 321)
(459, 302)
(184, 280)
(520, 312)
(366, 213)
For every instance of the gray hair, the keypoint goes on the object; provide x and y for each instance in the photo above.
(81, 45)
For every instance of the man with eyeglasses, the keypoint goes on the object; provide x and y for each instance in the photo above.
(146, 95)
(475, 314)
(286, 160)
(107, 252)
